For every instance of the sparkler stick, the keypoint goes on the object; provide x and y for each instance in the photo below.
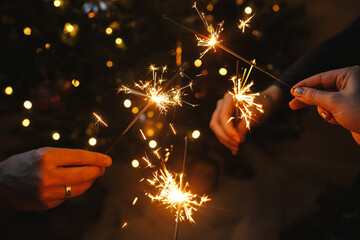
(225, 49)
(145, 108)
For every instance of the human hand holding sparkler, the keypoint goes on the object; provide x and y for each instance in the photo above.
(230, 134)
(37, 180)
(341, 106)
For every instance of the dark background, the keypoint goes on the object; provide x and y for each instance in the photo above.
(292, 178)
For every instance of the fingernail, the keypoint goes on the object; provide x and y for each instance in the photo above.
(299, 91)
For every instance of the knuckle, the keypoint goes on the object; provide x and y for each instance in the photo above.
(311, 94)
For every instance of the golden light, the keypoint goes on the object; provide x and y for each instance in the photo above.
(223, 71)
(109, 64)
(108, 30)
(91, 15)
(196, 134)
(92, 141)
(75, 82)
(56, 136)
(150, 132)
(239, 2)
(135, 163)
(248, 10)
(150, 114)
(152, 144)
(197, 63)
(47, 46)
(27, 104)
(57, 3)
(68, 27)
(127, 103)
(276, 8)
(135, 110)
(210, 7)
(27, 31)
(8, 90)
(118, 41)
(26, 122)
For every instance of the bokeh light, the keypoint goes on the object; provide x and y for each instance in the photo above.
(109, 64)
(27, 31)
(135, 110)
(108, 30)
(152, 144)
(8, 90)
(196, 134)
(197, 63)
(92, 141)
(118, 41)
(26, 122)
(27, 104)
(276, 8)
(75, 82)
(223, 71)
(127, 103)
(55, 136)
(135, 163)
(58, 3)
(248, 10)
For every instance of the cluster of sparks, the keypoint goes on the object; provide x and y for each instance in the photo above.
(153, 91)
(172, 191)
(214, 34)
(244, 98)
(244, 23)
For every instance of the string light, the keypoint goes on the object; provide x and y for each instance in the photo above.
(109, 64)
(108, 30)
(56, 136)
(222, 71)
(152, 144)
(27, 31)
(135, 163)
(196, 134)
(26, 122)
(8, 90)
(27, 104)
(127, 103)
(198, 63)
(75, 82)
(248, 10)
(58, 3)
(92, 141)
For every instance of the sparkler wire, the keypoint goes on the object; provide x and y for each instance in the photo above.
(145, 108)
(226, 49)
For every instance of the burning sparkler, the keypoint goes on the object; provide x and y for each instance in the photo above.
(212, 40)
(214, 33)
(243, 97)
(172, 191)
(244, 23)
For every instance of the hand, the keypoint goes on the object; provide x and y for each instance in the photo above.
(225, 130)
(36, 180)
(339, 100)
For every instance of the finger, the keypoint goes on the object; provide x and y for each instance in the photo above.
(296, 104)
(73, 157)
(327, 116)
(311, 96)
(216, 126)
(226, 113)
(58, 192)
(242, 131)
(232, 148)
(70, 176)
(328, 79)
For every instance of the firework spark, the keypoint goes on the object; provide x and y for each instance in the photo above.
(154, 92)
(214, 33)
(99, 120)
(172, 191)
(243, 97)
(244, 23)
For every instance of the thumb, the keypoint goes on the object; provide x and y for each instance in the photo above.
(311, 96)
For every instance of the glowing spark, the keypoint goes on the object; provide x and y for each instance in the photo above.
(141, 179)
(214, 34)
(154, 92)
(143, 135)
(244, 98)
(147, 161)
(243, 24)
(124, 225)
(134, 201)
(172, 191)
(172, 128)
(99, 120)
